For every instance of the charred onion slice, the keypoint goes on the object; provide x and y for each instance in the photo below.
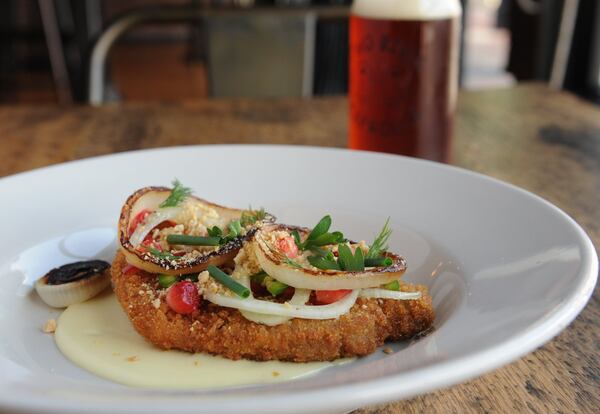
(149, 198)
(274, 263)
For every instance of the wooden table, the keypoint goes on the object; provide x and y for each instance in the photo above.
(547, 142)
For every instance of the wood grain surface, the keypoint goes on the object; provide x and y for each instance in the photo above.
(545, 141)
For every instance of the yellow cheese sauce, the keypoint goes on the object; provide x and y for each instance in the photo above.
(97, 336)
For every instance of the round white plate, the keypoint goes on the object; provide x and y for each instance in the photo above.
(506, 269)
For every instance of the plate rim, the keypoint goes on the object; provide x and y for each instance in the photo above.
(380, 390)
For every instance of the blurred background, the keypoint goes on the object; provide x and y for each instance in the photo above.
(97, 51)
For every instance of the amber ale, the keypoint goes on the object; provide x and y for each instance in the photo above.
(403, 76)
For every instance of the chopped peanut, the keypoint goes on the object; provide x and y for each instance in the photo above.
(49, 326)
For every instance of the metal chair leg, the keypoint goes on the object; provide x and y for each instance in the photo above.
(56, 51)
(564, 43)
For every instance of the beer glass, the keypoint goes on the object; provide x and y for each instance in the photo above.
(404, 76)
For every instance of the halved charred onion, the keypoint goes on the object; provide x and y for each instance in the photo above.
(133, 232)
(73, 283)
(276, 264)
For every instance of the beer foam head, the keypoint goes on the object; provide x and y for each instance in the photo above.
(407, 9)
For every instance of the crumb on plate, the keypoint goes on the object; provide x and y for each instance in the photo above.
(49, 326)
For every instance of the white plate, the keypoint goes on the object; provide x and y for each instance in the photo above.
(507, 270)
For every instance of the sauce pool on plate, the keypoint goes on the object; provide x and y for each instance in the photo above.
(97, 336)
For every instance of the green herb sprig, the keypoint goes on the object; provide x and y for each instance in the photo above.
(325, 260)
(235, 230)
(319, 236)
(178, 194)
(348, 261)
(252, 216)
(214, 231)
(379, 245)
(162, 255)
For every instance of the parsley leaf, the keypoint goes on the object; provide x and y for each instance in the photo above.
(327, 238)
(348, 261)
(252, 216)
(214, 231)
(297, 237)
(235, 228)
(162, 255)
(178, 194)
(319, 236)
(321, 228)
(324, 263)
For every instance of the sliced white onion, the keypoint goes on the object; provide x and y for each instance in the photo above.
(330, 311)
(388, 294)
(300, 297)
(151, 221)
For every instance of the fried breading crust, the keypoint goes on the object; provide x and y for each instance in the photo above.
(224, 331)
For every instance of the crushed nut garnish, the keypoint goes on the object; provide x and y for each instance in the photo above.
(49, 326)
(388, 350)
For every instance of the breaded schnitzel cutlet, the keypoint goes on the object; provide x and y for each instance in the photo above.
(224, 331)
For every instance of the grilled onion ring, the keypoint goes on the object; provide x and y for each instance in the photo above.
(150, 198)
(273, 262)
